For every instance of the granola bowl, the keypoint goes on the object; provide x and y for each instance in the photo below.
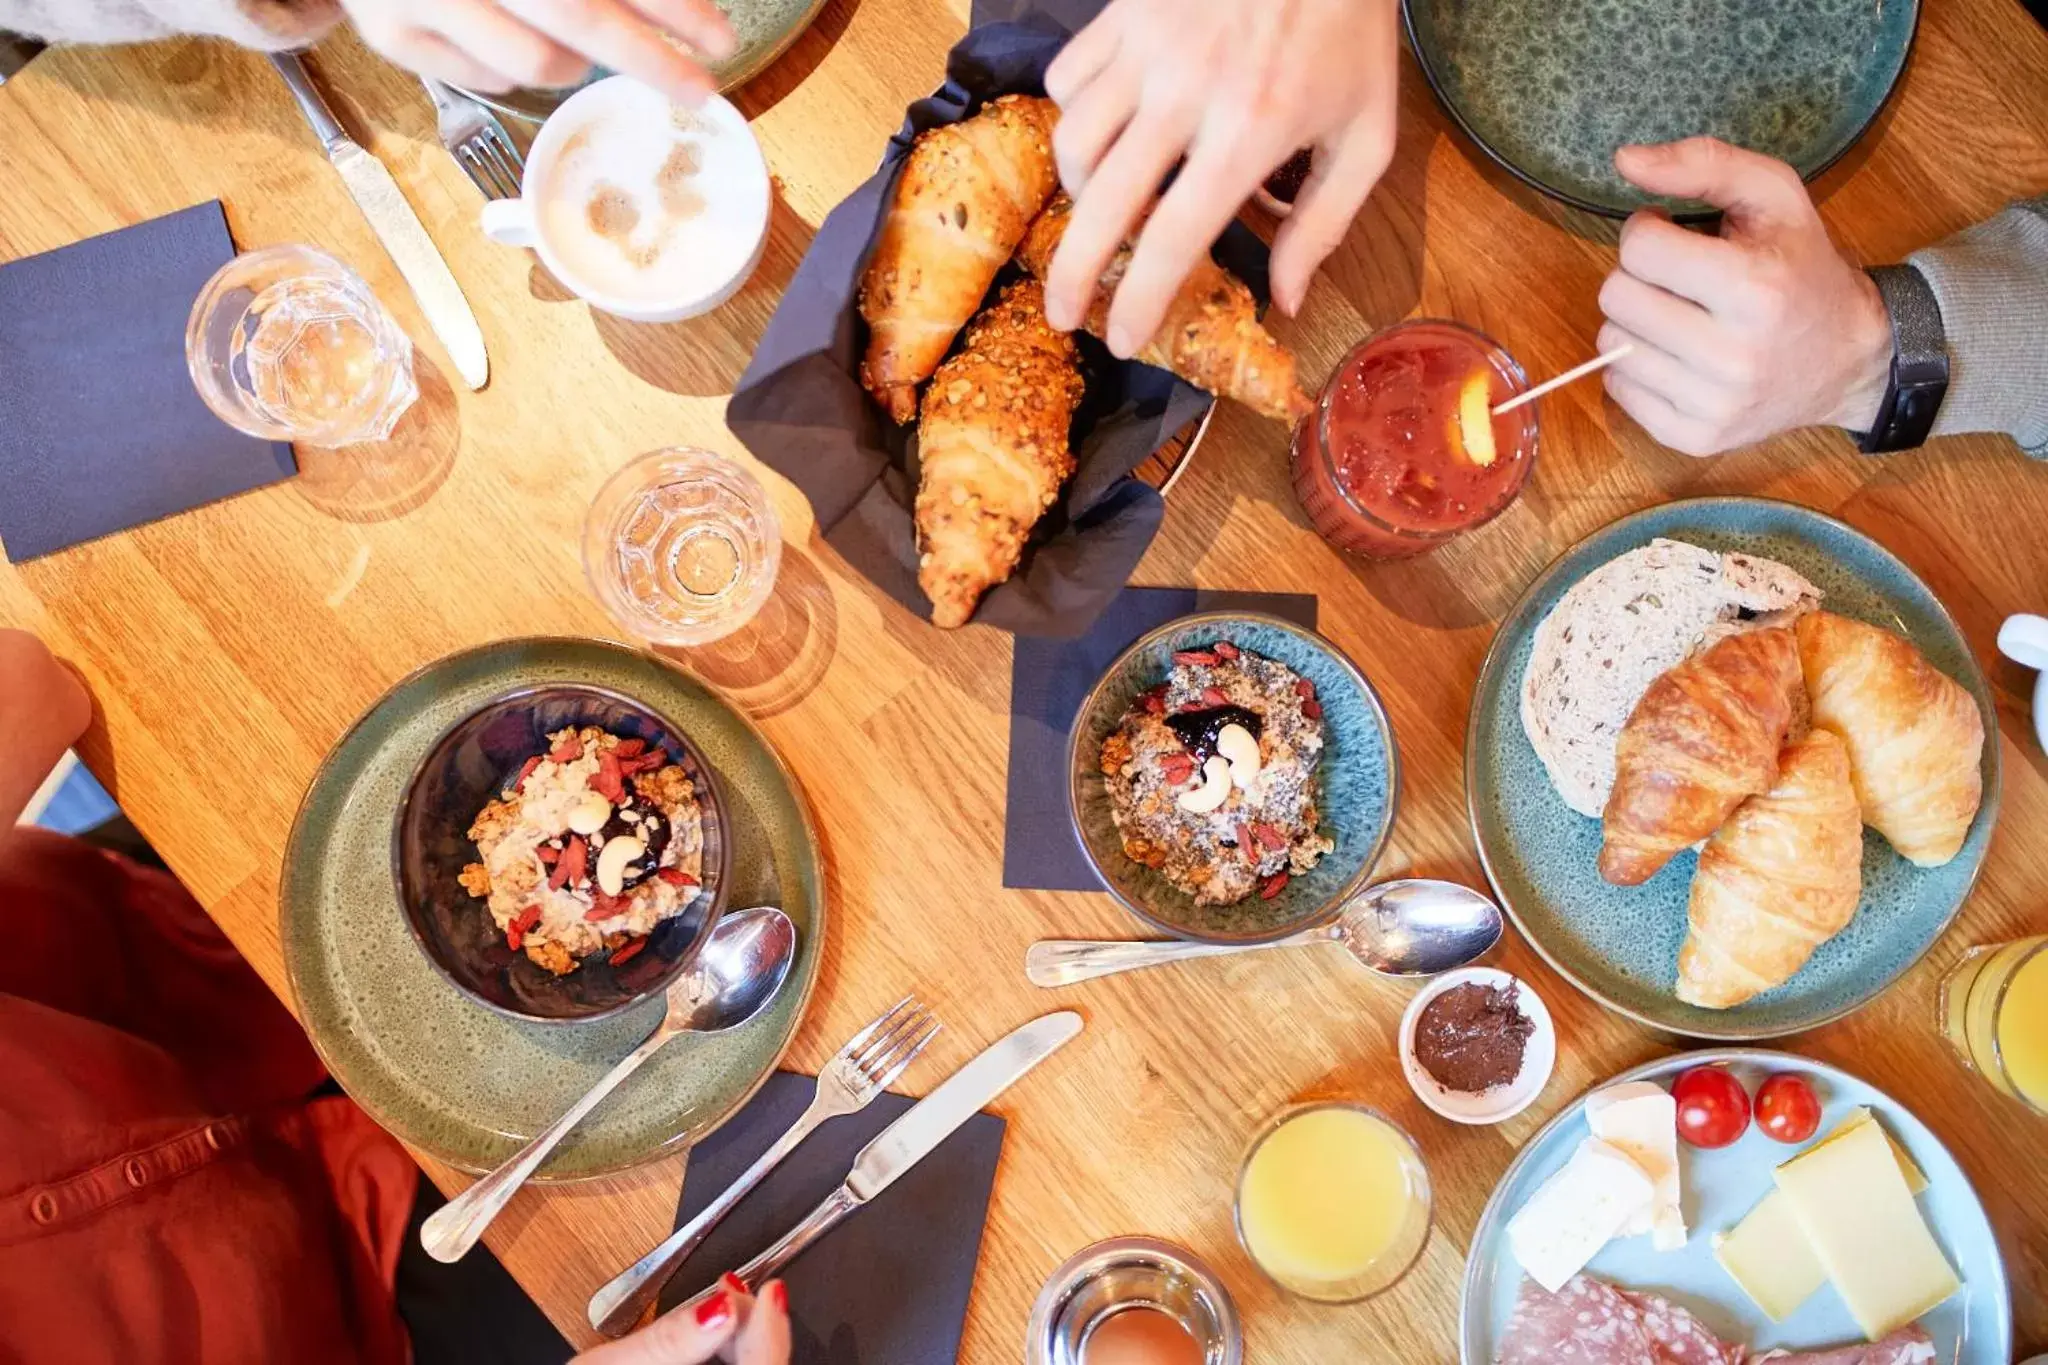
(1233, 778)
(500, 845)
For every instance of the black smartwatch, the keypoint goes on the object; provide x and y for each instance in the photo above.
(1919, 375)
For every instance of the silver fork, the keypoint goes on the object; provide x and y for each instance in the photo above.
(869, 1064)
(477, 141)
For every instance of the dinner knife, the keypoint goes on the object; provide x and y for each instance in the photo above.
(396, 226)
(911, 1138)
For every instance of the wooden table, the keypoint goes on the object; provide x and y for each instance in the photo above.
(294, 608)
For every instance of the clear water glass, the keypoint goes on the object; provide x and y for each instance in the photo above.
(681, 546)
(289, 344)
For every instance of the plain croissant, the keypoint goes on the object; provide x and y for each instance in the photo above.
(1779, 879)
(1705, 735)
(1915, 736)
(992, 446)
(1211, 336)
(966, 194)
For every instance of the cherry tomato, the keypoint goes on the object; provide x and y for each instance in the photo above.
(1786, 1108)
(1713, 1108)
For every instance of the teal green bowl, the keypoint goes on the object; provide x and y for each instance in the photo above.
(1359, 781)
(1619, 944)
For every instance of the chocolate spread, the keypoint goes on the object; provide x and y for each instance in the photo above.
(1471, 1038)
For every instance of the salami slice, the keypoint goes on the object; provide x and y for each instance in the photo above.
(1590, 1322)
(1907, 1346)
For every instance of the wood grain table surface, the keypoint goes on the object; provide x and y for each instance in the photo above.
(278, 617)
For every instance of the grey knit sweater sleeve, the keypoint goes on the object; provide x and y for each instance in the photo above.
(1992, 283)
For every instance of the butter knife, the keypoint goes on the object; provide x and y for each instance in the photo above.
(396, 226)
(911, 1138)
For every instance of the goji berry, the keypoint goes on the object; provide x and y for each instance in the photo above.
(675, 876)
(627, 950)
(629, 747)
(603, 907)
(1304, 689)
(608, 780)
(1225, 650)
(519, 782)
(1246, 843)
(1312, 708)
(1213, 696)
(1193, 656)
(1269, 836)
(547, 854)
(574, 862)
(568, 751)
(1274, 885)
(520, 925)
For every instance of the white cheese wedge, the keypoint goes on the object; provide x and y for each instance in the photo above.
(1641, 1119)
(1576, 1212)
(1854, 1205)
(1767, 1254)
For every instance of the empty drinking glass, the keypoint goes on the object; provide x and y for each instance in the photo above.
(682, 546)
(289, 344)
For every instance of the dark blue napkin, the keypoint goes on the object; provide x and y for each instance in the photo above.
(1048, 679)
(100, 427)
(801, 410)
(889, 1286)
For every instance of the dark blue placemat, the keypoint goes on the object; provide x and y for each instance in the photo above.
(1048, 679)
(889, 1286)
(100, 427)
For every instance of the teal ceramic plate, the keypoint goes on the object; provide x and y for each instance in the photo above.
(765, 29)
(464, 1083)
(1719, 1188)
(1620, 944)
(1359, 780)
(1549, 88)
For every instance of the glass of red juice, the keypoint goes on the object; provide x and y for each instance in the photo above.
(1389, 464)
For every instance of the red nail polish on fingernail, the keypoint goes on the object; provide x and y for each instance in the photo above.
(733, 1282)
(778, 1296)
(715, 1311)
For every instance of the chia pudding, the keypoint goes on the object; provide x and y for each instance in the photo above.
(1211, 775)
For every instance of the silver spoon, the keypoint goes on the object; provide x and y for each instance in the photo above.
(1411, 927)
(741, 968)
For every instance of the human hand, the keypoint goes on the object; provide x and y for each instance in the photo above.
(497, 44)
(756, 1328)
(1738, 337)
(1236, 89)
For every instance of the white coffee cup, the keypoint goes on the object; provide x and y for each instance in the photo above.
(2024, 640)
(646, 209)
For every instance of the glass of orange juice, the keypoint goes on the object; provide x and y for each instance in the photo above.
(1994, 1012)
(1333, 1202)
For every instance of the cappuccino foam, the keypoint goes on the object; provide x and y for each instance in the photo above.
(650, 202)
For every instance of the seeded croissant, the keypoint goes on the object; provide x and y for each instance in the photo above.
(992, 445)
(1211, 336)
(962, 203)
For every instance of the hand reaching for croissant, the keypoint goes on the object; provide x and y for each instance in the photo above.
(1235, 89)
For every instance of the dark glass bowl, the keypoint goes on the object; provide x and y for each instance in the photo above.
(467, 768)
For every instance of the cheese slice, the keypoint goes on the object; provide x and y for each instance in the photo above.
(1641, 1119)
(1576, 1212)
(1916, 1180)
(1852, 1202)
(1767, 1254)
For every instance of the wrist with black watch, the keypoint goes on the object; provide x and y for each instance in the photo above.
(1918, 380)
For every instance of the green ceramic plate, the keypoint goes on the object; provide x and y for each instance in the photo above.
(1619, 944)
(461, 1082)
(1549, 88)
(766, 28)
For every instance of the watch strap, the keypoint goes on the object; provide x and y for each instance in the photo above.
(1920, 363)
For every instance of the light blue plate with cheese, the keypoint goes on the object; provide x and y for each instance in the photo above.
(1719, 1187)
(1619, 944)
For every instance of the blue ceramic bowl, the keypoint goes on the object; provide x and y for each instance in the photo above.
(1359, 781)
(467, 767)
(1619, 944)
